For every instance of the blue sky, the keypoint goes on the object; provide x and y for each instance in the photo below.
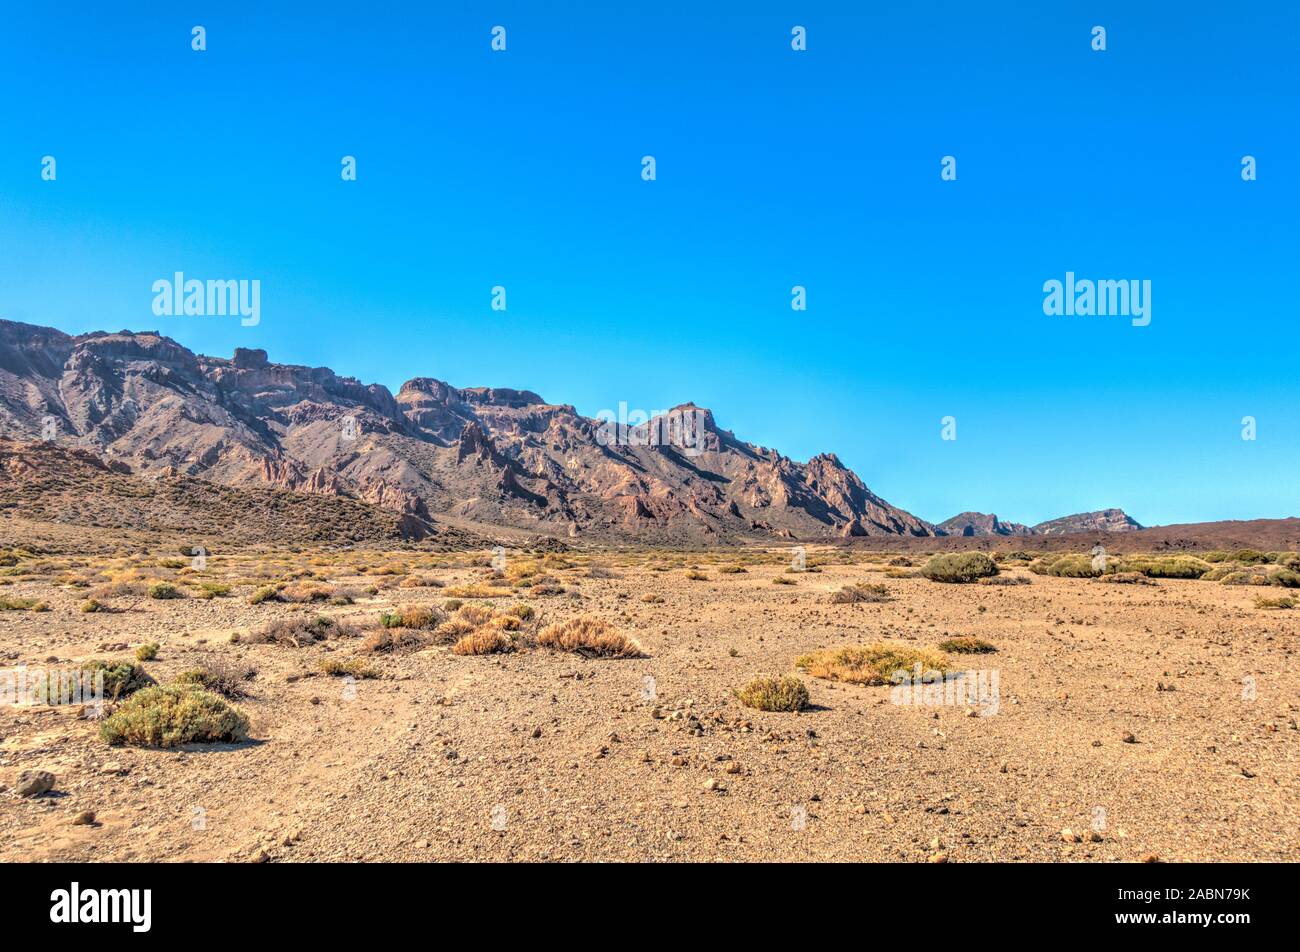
(775, 168)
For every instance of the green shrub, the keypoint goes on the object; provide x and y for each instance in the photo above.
(171, 715)
(210, 590)
(147, 652)
(1249, 556)
(1165, 566)
(164, 590)
(959, 567)
(265, 594)
(774, 694)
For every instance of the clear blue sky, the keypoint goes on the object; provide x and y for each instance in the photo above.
(775, 168)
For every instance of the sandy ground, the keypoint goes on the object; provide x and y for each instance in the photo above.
(546, 756)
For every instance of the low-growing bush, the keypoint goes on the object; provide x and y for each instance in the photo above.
(870, 664)
(784, 580)
(390, 638)
(164, 590)
(228, 680)
(860, 592)
(785, 693)
(351, 668)
(966, 644)
(591, 637)
(413, 616)
(22, 605)
(959, 567)
(265, 594)
(696, 576)
(299, 631)
(210, 590)
(1281, 601)
(487, 640)
(147, 652)
(171, 715)
(1171, 566)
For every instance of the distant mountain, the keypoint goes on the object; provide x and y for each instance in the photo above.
(472, 458)
(1104, 520)
(980, 524)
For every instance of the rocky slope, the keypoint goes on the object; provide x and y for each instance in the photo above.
(1104, 520)
(478, 457)
(980, 524)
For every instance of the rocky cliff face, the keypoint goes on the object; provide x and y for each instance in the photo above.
(486, 456)
(981, 524)
(1104, 520)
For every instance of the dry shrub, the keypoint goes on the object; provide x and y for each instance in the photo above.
(696, 576)
(299, 631)
(870, 664)
(219, 677)
(477, 591)
(419, 581)
(486, 640)
(301, 592)
(591, 637)
(785, 693)
(1003, 580)
(861, 592)
(352, 668)
(383, 640)
(1282, 601)
(967, 644)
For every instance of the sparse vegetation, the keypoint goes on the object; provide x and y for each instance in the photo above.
(147, 652)
(228, 680)
(860, 592)
(870, 664)
(966, 644)
(1281, 601)
(413, 616)
(174, 714)
(164, 590)
(349, 668)
(785, 693)
(959, 567)
(299, 631)
(592, 637)
(23, 605)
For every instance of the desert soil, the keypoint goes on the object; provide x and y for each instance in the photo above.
(539, 755)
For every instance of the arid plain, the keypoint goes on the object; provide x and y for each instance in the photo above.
(1154, 720)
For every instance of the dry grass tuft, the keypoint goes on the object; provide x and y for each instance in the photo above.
(870, 664)
(861, 592)
(486, 640)
(591, 637)
(785, 693)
